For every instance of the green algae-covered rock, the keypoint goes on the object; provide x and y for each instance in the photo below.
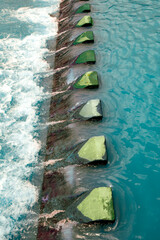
(86, 57)
(84, 8)
(98, 205)
(91, 110)
(86, 37)
(87, 80)
(94, 150)
(91, 206)
(85, 21)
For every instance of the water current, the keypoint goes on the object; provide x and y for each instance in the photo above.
(127, 50)
(25, 26)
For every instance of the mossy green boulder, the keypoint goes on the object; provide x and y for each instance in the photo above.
(98, 205)
(86, 21)
(87, 80)
(86, 57)
(84, 8)
(93, 150)
(86, 37)
(91, 110)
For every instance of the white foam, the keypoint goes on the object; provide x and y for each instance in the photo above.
(22, 63)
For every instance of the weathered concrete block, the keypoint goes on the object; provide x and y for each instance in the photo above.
(86, 57)
(87, 80)
(96, 205)
(94, 150)
(84, 8)
(86, 21)
(86, 37)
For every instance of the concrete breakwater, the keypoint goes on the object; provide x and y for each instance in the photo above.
(63, 202)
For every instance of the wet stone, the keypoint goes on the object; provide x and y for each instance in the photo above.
(94, 150)
(95, 205)
(87, 80)
(91, 110)
(86, 57)
(84, 207)
(84, 8)
(86, 37)
(86, 21)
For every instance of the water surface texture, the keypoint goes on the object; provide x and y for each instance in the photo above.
(127, 45)
(127, 48)
(24, 28)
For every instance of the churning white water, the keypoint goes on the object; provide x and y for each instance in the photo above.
(25, 26)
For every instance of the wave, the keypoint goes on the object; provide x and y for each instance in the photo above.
(22, 70)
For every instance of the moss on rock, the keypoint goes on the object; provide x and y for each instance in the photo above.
(94, 149)
(91, 110)
(86, 21)
(95, 205)
(87, 80)
(98, 205)
(86, 57)
(86, 37)
(84, 8)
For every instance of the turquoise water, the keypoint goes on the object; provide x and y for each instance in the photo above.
(24, 28)
(127, 48)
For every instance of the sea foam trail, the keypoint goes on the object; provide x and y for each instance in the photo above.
(21, 68)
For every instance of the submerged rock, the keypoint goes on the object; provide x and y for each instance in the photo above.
(97, 205)
(87, 80)
(86, 21)
(86, 37)
(86, 57)
(84, 8)
(94, 150)
(91, 110)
